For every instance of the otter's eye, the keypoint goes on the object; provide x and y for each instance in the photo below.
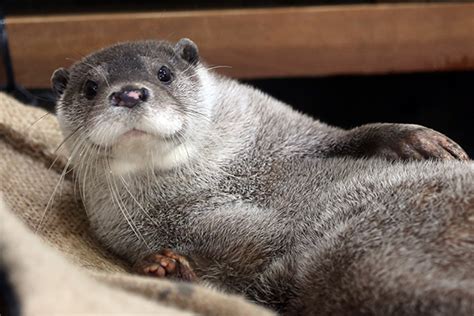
(164, 74)
(90, 89)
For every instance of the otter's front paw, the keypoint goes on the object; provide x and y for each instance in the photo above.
(404, 141)
(165, 263)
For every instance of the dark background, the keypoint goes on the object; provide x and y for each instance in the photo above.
(73, 6)
(442, 101)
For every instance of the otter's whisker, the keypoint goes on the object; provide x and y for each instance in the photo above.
(116, 197)
(38, 120)
(136, 201)
(61, 179)
(67, 138)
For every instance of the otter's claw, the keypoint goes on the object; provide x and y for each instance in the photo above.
(404, 141)
(165, 263)
(423, 143)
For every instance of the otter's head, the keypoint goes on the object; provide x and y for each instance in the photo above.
(139, 104)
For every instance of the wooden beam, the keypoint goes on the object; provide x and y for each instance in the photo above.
(256, 43)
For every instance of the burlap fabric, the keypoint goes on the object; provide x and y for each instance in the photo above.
(51, 259)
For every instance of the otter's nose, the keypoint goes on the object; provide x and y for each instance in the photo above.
(129, 97)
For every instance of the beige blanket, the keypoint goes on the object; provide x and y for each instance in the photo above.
(50, 259)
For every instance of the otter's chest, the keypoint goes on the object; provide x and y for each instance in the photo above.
(132, 218)
(133, 222)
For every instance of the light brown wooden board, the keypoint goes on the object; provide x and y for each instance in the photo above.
(257, 43)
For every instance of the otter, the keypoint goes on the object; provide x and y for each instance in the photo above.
(191, 175)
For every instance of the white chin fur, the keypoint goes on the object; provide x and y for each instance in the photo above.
(145, 148)
(159, 122)
(147, 152)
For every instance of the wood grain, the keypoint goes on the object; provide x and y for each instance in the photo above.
(257, 43)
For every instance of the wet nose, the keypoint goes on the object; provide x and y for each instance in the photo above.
(129, 97)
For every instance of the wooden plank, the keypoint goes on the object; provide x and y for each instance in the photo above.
(256, 43)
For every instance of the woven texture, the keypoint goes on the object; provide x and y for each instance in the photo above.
(45, 233)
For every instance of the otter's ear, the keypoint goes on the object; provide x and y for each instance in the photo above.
(59, 81)
(187, 50)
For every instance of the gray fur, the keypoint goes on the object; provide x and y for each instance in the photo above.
(271, 203)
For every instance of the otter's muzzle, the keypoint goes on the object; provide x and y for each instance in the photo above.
(129, 97)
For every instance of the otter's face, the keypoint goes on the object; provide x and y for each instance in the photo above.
(136, 103)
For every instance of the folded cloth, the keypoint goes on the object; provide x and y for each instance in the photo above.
(52, 263)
